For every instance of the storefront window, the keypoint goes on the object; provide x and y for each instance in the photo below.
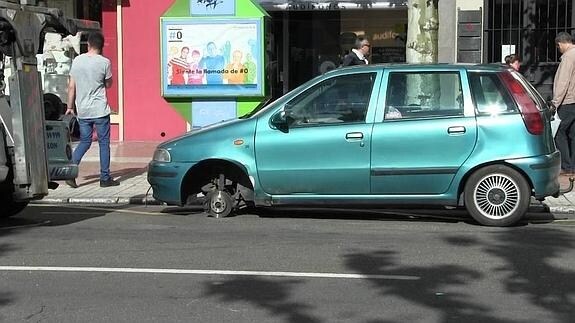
(309, 38)
(526, 27)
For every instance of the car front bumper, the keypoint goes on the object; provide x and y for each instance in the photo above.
(166, 180)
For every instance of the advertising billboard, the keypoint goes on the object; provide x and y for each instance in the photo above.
(212, 57)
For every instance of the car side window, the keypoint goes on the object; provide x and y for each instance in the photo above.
(340, 99)
(489, 94)
(414, 95)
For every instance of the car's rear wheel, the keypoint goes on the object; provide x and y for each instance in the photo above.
(497, 196)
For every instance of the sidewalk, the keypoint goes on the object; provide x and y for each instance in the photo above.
(129, 163)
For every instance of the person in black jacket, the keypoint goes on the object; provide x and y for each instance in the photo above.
(357, 56)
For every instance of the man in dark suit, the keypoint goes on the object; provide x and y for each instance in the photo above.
(357, 54)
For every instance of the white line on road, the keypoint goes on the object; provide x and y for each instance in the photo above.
(208, 272)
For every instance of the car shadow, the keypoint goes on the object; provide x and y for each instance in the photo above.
(538, 214)
(54, 215)
(429, 214)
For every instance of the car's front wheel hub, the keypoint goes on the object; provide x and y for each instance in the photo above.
(218, 203)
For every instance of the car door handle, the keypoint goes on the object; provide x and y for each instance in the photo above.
(456, 130)
(354, 135)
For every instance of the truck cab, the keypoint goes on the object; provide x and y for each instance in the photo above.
(34, 152)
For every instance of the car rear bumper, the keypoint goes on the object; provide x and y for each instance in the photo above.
(543, 171)
(166, 180)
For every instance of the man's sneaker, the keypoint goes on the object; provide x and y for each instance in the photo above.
(109, 182)
(72, 183)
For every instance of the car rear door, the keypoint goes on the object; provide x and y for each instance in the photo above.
(424, 131)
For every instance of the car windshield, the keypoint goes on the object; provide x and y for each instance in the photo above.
(263, 106)
(260, 107)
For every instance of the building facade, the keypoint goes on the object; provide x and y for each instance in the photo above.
(307, 38)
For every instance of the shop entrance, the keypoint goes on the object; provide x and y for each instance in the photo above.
(304, 44)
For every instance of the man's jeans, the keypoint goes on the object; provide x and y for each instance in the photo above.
(565, 137)
(102, 126)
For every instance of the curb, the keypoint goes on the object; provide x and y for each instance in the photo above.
(562, 209)
(103, 200)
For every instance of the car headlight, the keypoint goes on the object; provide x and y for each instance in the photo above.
(162, 155)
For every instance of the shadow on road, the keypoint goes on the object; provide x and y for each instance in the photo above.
(270, 295)
(528, 255)
(538, 214)
(423, 214)
(530, 258)
(429, 291)
(50, 216)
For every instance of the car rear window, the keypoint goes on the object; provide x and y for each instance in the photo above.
(490, 95)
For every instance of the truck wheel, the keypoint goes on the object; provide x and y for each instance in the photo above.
(218, 204)
(11, 208)
(53, 107)
(497, 196)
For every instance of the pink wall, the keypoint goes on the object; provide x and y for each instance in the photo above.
(146, 113)
(111, 51)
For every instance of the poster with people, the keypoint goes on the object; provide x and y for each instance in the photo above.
(212, 58)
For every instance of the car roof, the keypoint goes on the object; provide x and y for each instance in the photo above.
(419, 67)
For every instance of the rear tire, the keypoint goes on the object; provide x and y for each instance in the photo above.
(497, 196)
(10, 207)
(53, 107)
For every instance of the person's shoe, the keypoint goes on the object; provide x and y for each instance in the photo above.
(109, 182)
(72, 183)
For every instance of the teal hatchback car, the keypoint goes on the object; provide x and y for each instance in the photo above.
(477, 136)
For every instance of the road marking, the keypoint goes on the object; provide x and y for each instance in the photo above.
(209, 272)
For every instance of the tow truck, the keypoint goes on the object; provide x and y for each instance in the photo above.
(34, 153)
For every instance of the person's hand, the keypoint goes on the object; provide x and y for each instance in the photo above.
(552, 107)
(70, 111)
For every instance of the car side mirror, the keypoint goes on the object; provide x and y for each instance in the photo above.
(280, 121)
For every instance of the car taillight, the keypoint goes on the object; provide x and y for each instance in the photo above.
(531, 115)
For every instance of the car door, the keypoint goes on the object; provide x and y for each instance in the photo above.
(426, 131)
(325, 147)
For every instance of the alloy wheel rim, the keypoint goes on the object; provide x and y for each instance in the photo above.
(496, 196)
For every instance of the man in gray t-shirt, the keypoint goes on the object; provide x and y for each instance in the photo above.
(90, 75)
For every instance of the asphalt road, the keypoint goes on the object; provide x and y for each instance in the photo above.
(158, 264)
